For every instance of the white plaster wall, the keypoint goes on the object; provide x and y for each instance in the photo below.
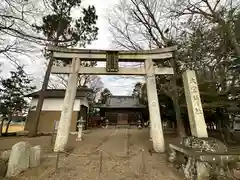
(54, 104)
(237, 125)
(84, 102)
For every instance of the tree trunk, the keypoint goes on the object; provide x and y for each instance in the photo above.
(6, 131)
(180, 124)
(1, 126)
(34, 127)
(9, 121)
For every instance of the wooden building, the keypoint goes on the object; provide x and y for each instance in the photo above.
(122, 110)
(52, 108)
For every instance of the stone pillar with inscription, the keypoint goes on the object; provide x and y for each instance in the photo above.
(156, 130)
(67, 110)
(194, 105)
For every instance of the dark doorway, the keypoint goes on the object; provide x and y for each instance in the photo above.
(122, 118)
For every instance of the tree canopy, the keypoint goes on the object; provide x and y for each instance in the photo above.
(206, 33)
(105, 94)
(26, 25)
(62, 29)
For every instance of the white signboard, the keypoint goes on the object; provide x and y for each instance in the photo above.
(236, 125)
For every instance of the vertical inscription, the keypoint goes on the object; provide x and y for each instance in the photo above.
(195, 95)
(112, 61)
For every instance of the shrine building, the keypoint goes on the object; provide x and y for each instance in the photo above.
(122, 110)
(52, 108)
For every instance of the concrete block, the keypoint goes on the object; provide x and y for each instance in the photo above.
(35, 156)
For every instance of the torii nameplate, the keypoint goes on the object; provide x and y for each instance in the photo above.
(112, 61)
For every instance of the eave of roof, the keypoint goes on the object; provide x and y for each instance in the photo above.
(122, 97)
(103, 106)
(56, 93)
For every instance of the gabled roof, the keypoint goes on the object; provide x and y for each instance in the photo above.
(121, 102)
(60, 93)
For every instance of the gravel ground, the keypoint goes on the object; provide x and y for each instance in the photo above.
(122, 159)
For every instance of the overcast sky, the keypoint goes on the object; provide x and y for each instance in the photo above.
(117, 85)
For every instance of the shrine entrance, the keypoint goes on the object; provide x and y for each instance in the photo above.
(72, 58)
(122, 118)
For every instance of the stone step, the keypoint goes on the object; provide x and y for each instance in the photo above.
(122, 126)
(127, 126)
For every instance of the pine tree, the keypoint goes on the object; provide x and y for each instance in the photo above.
(62, 29)
(12, 92)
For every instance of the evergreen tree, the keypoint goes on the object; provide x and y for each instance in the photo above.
(12, 92)
(63, 30)
(105, 94)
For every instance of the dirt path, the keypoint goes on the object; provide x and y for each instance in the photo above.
(122, 159)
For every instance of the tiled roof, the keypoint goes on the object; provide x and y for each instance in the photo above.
(121, 102)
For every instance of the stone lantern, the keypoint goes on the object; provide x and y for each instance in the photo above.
(107, 123)
(80, 129)
(139, 124)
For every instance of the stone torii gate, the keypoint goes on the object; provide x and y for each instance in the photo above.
(75, 56)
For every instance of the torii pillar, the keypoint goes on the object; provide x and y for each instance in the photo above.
(68, 103)
(156, 130)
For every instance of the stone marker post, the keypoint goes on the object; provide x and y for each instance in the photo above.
(156, 130)
(194, 106)
(66, 114)
(35, 156)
